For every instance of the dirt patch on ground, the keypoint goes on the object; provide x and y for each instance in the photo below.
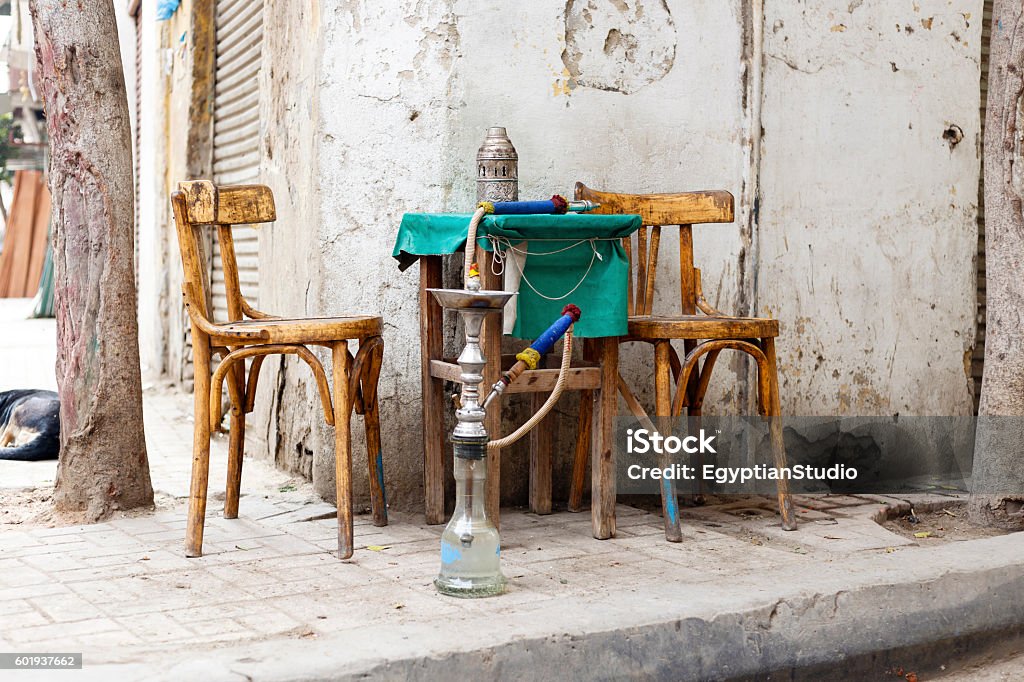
(33, 508)
(945, 524)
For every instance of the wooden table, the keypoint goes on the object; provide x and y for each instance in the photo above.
(596, 379)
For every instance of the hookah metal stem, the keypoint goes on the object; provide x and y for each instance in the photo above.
(467, 538)
(582, 206)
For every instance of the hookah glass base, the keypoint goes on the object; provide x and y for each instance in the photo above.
(470, 544)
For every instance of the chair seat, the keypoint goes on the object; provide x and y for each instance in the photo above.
(701, 327)
(306, 330)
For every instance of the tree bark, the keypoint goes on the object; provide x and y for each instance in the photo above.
(998, 474)
(103, 465)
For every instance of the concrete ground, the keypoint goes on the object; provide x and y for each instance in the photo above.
(840, 598)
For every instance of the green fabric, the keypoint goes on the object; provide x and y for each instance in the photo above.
(602, 293)
(43, 304)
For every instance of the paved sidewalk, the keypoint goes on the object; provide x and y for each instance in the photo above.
(269, 601)
(123, 589)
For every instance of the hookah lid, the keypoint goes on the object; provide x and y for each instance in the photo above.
(497, 145)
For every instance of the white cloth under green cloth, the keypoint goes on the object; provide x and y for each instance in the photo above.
(514, 262)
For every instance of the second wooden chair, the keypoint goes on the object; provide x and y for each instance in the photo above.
(704, 331)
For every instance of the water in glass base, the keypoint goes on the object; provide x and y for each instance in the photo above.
(470, 544)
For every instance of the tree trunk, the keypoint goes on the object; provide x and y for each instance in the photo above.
(103, 464)
(998, 475)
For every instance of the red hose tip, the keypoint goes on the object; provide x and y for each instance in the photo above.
(572, 311)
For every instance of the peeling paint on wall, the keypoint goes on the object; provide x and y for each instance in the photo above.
(618, 45)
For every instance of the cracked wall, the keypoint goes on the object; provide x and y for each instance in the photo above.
(869, 203)
(389, 98)
(290, 272)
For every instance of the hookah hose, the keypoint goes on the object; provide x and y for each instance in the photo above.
(469, 275)
(529, 358)
(556, 204)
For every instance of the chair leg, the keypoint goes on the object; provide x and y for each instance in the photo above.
(773, 406)
(541, 444)
(583, 431)
(236, 448)
(236, 443)
(582, 451)
(374, 454)
(200, 445)
(340, 368)
(693, 419)
(692, 393)
(432, 390)
(663, 410)
(491, 341)
(602, 470)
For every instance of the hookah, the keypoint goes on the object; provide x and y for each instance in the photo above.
(470, 544)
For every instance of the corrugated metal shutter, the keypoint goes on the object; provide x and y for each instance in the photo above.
(236, 128)
(978, 358)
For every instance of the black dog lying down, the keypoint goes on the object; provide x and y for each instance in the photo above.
(29, 425)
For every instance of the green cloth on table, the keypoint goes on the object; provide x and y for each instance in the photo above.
(575, 237)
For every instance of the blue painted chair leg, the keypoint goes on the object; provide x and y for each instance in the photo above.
(663, 408)
(670, 511)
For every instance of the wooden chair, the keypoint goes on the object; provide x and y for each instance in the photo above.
(198, 205)
(704, 331)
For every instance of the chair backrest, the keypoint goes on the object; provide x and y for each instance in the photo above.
(199, 204)
(684, 209)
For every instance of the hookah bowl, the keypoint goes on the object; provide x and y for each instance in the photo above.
(470, 544)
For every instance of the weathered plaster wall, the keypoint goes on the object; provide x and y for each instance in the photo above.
(867, 230)
(862, 242)
(388, 99)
